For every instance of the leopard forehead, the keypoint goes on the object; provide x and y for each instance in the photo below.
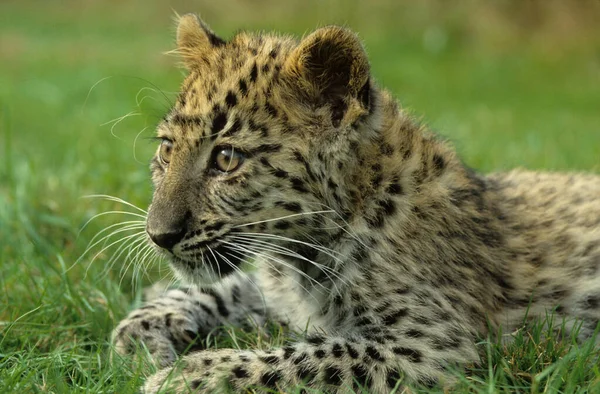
(318, 83)
(234, 85)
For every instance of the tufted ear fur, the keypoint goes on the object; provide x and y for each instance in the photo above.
(195, 40)
(331, 67)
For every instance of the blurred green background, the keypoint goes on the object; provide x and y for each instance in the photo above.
(82, 84)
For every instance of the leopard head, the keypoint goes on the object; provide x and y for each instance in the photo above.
(256, 154)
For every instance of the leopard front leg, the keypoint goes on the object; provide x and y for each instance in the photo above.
(168, 325)
(334, 364)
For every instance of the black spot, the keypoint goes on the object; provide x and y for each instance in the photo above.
(439, 163)
(270, 359)
(273, 53)
(216, 226)
(298, 185)
(182, 100)
(337, 350)
(279, 173)
(145, 325)
(412, 333)
(235, 293)
(219, 301)
(333, 376)
(386, 149)
(196, 383)
(374, 354)
(300, 158)
(207, 361)
(320, 354)
(265, 148)
(270, 379)
(393, 317)
(219, 121)
(168, 317)
(234, 129)
(231, 99)
(412, 354)
(315, 339)
(301, 358)
(393, 377)
(253, 73)
(388, 206)
(306, 373)
(288, 351)
(240, 373)
(205, 308)
(282, 225)
(265, 68)
(352, 352)
(186, 120)
(243, 87)
(270, 109)
(291, 206)
(361, 377)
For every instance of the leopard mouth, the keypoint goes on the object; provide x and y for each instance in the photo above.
(212, 255)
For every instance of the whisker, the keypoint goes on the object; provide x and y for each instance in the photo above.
(135, 247)
(115, 122)
(282, 217)
(139, 102)
(216, 261)
(116, 199)
(87, 97)
(135, 143)
(106, 237)
(130, 224)
(327, 251)
(109, 213)
(346, 227)
(249, 248)
(106, 248)
(287, 252)
(122, 272)
(242, 273)
(126, 246)
(250, 253)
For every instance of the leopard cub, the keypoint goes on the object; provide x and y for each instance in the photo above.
(363, 228)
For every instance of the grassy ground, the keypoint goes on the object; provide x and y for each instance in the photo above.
(514, 84)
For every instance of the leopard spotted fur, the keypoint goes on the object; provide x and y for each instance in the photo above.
(364, 228)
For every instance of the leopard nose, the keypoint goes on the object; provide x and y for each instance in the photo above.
(167, 240)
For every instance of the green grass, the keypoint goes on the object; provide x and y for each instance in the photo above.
(513, 85)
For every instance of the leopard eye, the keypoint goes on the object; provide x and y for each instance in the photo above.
(227, 159)
(165, 150)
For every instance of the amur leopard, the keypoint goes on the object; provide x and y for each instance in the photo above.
(366, 230)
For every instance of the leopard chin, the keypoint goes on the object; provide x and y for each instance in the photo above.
(206, 268)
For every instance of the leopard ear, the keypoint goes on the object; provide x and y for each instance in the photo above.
(331, 67)
(195, 40)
